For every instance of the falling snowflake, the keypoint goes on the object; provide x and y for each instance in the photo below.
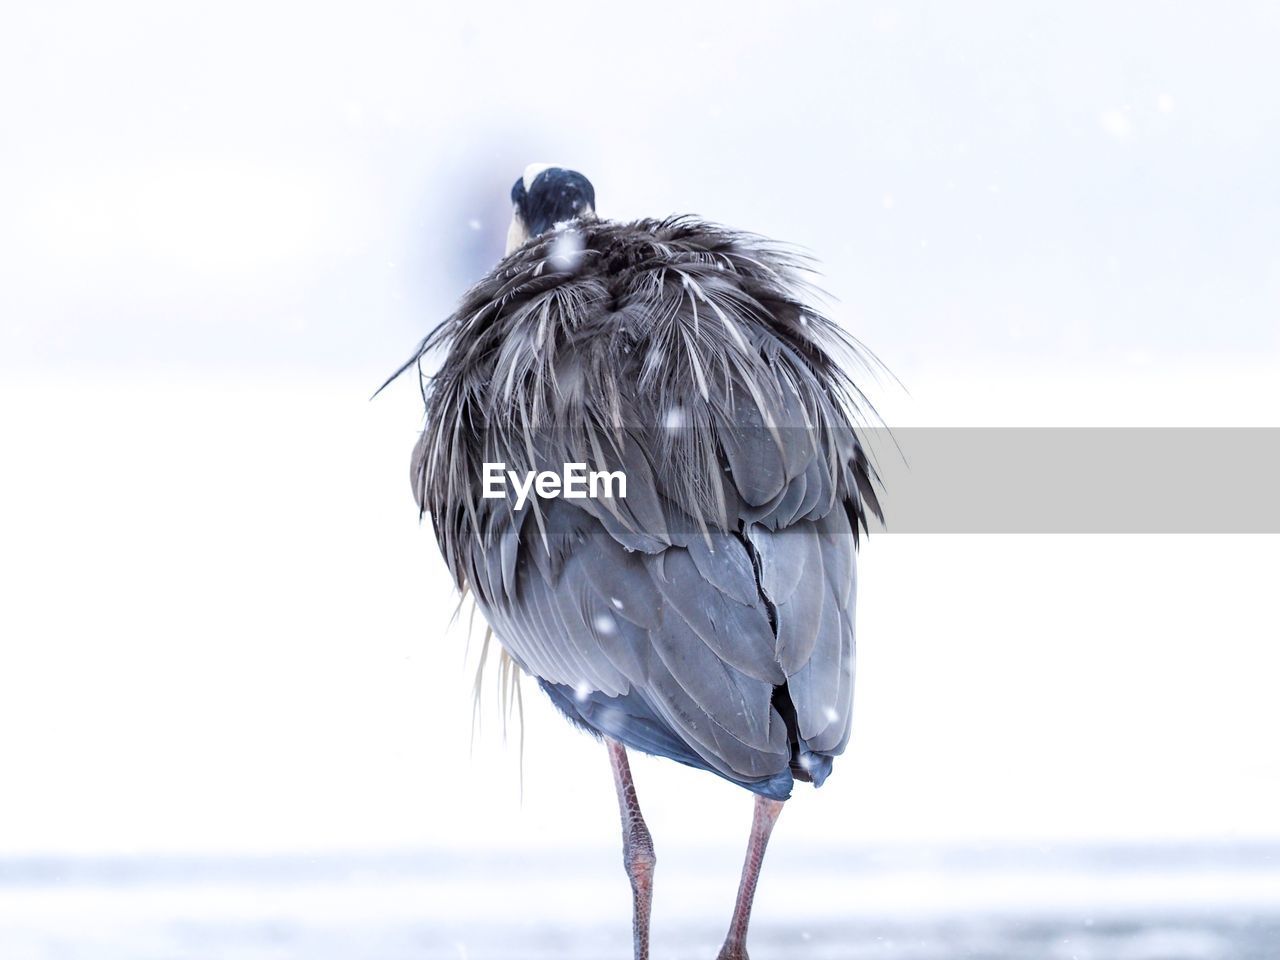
(566, 250)
(1117, 124)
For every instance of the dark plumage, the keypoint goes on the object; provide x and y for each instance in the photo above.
(552, 195)
(708, 617)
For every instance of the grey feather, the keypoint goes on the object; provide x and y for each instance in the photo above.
(708, 616)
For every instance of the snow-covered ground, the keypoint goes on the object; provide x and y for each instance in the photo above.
(1090, 903)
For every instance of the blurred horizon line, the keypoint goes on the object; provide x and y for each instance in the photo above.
(57, 869)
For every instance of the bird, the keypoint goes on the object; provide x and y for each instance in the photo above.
(707, 615)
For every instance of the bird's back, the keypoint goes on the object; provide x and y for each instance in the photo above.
(709, 615)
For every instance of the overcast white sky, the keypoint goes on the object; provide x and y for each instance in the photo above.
(222, 628)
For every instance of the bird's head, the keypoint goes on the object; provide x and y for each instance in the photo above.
(544, 196)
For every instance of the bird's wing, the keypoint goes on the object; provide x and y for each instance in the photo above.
(685, 628)
(807, 573)
(705, 625)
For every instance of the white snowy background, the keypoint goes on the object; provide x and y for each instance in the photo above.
(225, 640)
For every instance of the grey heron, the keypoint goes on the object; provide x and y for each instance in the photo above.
(707, 616)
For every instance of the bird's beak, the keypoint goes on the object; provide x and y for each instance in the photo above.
(517, 233)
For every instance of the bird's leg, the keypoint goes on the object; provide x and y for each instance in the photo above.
(766, 815)
(637, 847)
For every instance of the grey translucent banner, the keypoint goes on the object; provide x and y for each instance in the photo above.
(1078, 480)
(929, 479)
